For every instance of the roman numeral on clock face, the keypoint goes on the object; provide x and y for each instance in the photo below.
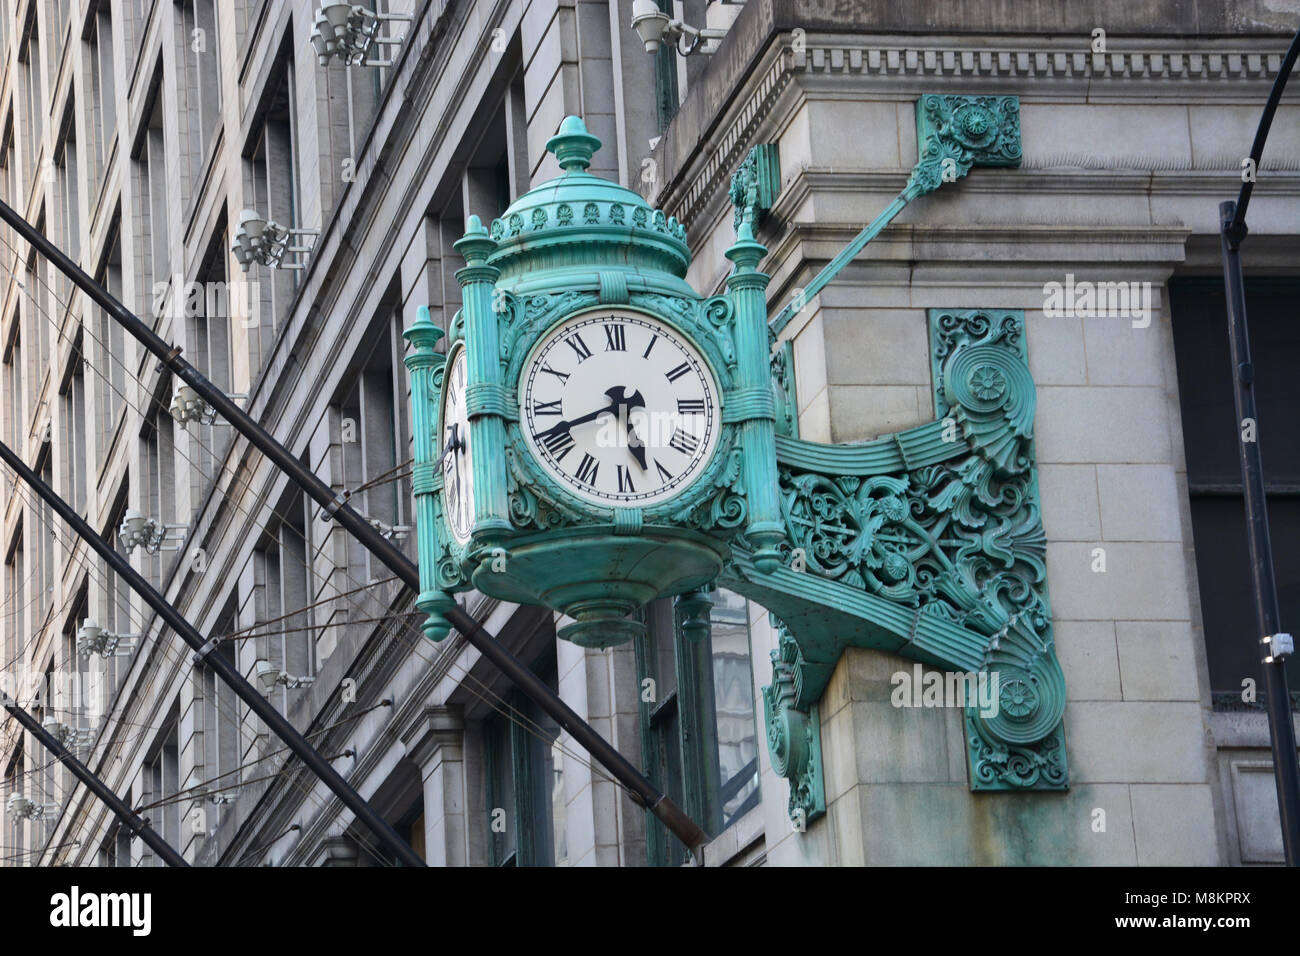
(676, 373)
(587, 469)
(684, 442)
(558, 443)
(575, 342)
(547, 408)
(690, 406)
(616, 337)
(625, 485)
(562, 376)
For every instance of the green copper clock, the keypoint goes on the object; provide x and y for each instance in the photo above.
(599, 435)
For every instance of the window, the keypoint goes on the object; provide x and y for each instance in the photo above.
(162, 781)
(282, 572)
(29, 60)
(207, 343)
(8, 188)
(101, 83)
(115, 599)
(699, 737)
(159, 472)
(272, 190)
(353, 99)
(666, 95)
(85, 700)
(116, 848)
(373, 436)
(37, 306)
(72, 414)
(220, 722)
(16, 781)
(524, 773)
(15, 394)
(137, 19)
(196, 43)
(110, 353)
(15, 612)
(65, 164)
(46, 541)
(1210, 435)
(151, 205)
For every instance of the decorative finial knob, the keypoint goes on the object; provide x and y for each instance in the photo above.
(573, 146)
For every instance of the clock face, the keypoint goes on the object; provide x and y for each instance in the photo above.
(457, 473)
(619, 407)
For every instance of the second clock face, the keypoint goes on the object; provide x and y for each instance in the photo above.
(619, 407)
(457, 468)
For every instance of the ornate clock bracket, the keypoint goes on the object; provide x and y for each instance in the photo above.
(927, 543)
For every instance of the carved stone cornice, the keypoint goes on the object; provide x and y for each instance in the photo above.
(695, 183)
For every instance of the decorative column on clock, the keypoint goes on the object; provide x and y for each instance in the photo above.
(426, 476)
(486, 401)
(752, 406)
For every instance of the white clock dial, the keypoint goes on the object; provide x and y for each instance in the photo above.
(619, 407)
(457, 472)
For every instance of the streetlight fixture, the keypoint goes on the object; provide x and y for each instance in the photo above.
(258, 239)
(350, 32)
(93, 639)
(148, 533)
(188, 406)
(269, 677)
(20, 808)
(655, 27)
(393, 532)
(65, 734)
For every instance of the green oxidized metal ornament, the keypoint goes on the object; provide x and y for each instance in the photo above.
(599, 435)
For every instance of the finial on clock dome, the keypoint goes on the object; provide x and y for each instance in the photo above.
(573, 146)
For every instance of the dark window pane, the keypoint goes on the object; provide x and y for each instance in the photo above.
(1210, 427)
(1227, 599)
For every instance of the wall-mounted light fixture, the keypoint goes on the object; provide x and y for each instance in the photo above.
(187, 406)
(269, 676)
(20, 808)
(93, 639)
(64, 733)
(258, 239)
(393, 532)
(655, 27)
(351, 32)
(149, 533)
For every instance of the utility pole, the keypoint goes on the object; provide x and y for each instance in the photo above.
(224, 670)
(641, 789)
(1273, 646)
(130, 819)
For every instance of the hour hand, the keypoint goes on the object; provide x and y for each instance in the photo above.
(620, 400)
(454, 442)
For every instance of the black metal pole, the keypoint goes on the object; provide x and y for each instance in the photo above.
(274, 721)
(1237, 230)
(1281, 730)
(130, 819)
(369, 537)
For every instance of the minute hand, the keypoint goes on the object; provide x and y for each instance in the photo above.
(617, 398)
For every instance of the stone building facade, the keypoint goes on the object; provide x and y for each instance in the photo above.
(135, 133)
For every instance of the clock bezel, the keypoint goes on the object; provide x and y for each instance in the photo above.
(552, 335)
(686, 319)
